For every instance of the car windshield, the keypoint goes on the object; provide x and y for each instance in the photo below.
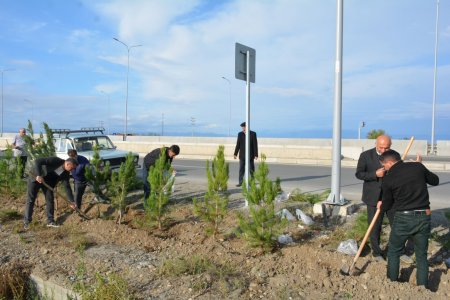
(88, 143)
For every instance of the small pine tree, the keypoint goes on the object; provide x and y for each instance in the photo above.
(42, 146)
(214, 208)
(374, 133)
(261, 225)
(98, 174)
(121, 183)
(11, 182)
(161, 180)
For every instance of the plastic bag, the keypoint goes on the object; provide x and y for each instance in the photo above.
(303, 217)
(286, 214)
(349, 247)
(283, 196)
(285, 239)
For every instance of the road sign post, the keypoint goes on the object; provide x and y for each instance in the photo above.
(245, 70)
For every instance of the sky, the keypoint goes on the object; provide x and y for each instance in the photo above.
(61, 65)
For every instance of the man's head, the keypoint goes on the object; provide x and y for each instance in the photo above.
(174, 150)
(244, 127)
(383, 143)
(70, 164)
(389, 158)
(72, 153)
(22, 131)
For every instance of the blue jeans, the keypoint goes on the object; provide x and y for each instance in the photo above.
(147, 187)
(418, 227)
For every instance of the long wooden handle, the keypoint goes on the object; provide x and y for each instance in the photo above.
(407, 148)
(366, 236)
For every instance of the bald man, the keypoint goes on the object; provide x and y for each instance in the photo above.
(372, 172)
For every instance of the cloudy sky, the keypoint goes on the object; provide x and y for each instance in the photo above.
(62, 66)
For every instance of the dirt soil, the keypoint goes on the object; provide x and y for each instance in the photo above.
(306, 269)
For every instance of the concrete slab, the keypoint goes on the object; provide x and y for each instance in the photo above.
(336, 210)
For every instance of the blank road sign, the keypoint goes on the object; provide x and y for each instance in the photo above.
(240, 71)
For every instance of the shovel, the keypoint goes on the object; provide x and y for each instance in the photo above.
(71, 204)
(345, 270)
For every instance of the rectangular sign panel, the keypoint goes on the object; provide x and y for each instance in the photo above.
(240, 71)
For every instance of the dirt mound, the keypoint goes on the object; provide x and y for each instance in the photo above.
(147, 258)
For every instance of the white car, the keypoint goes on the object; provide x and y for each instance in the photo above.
(84, 140)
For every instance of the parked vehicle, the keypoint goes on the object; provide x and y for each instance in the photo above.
(84, 141)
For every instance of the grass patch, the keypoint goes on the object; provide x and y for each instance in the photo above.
(298, 196)
(9, 215)
(207, 273)
(14, 281)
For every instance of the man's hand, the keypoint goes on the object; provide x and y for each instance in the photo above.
(40, 179)
(379, 204)
(380, 172)
(419, 158)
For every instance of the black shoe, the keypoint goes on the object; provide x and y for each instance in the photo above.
(26, 226)
(52, 224)
(238, 185)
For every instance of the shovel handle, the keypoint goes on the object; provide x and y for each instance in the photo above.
(366, 236)
(407, 148)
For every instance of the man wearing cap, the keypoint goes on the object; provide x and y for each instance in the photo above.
(79, 179)
(150, 160)
(240, 148)
(405, 191)
(50, 170)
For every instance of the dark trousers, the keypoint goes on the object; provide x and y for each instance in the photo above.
(147, 187)
(418, 227)
(79, 188)
(376, 231)
(242, 169)
(23, 162)
(32, 191)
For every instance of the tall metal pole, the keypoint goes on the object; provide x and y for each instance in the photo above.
(126, 100)
(4, 70)
(433, 151)
(248, 127)
(109, 111)
(162, 124)
(229, 93)
(335, 195)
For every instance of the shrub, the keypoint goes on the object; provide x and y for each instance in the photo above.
(11, 182)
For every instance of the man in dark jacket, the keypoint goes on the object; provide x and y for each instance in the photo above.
(372, 172)
(50, 170)
(150, 160)
(405, 193)
(240, 148)
(79, 179)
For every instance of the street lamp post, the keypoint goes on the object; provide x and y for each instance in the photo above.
(32, 109)
(361, 125)
(432, 151)
(229, 120)
(128, 71)
(3, 71)
(109, 111)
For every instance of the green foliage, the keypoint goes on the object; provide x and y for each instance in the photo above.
(262, 225)
(214, 207)
(297, 195)
(161, 180)
(11, 182)
(39, 147)
(98, 174)
(359, 228)
(121, 183)
(374, 133)
(111, 287)
(14, 280)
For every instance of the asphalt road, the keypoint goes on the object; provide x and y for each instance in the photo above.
(312, 179)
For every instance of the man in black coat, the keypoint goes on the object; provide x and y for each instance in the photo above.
(240, 148)
(405, 192)
(372, 172)
(50, 170)
(150, 160)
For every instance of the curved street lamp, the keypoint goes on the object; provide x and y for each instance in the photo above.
(128, 71)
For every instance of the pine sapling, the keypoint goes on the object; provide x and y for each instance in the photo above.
(161, 179)
(39, 147)
(214, 207)
(121, 183)
(261, 225)
(11, 182)
(98, 174)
